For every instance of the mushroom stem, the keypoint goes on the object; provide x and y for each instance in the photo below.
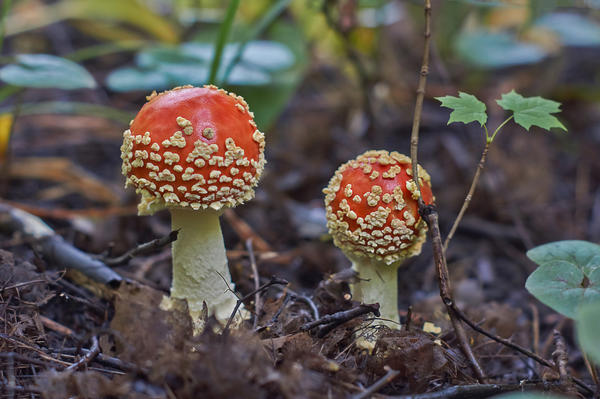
(378, 283)
(200, 271)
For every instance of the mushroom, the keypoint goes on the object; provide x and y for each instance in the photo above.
(373, 216)
(195, 151)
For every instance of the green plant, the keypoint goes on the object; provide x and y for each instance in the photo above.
(264, 62)
(568, 280)
(525, 111)
(46, 71)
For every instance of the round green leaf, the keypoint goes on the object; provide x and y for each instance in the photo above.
(269, 55)
(496, 50)
(46, 71)
(131, 79)
(588, 330)
(568, 275)
(572, 29)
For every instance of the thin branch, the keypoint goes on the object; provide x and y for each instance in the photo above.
(560, 355)
(469, 196)
(477, 391)
(383, 381)
(429, 213)
(273, 281)
(143, 249)
(331, 321)
(408, 323)
(514, 346)
(414, 135)
(88, 357)
(54, 247)
(105, 360)
(3, 17)
(257, 304)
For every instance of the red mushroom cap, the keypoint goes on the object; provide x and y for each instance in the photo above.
(372, 208)
(193, 147)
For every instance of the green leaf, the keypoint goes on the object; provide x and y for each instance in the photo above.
(467, 108)
(496, 50)
(532, 111)
(266, 75)
(572, 29)
(131, 79)
(588, 326)
(46, 71)
(568, 275)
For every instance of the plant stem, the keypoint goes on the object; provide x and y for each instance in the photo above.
(469, 196)
(414, 136)
(222, 39)
(429, 213)
(499, 127)
(9, 90)
(200, 271)
(3, 13)
(99, 50)
(267, 19)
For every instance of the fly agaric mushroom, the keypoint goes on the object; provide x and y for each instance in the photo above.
(195, 151)
(373, 216)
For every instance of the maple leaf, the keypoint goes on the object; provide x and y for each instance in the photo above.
(467, 108)
(532, 111)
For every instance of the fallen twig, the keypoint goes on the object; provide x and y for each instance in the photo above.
(88, 356)
(54, 326)
(331, 321)
(515, 347)
(273, 281)
(256, 277)
(245, 232)
(103, 359)
(476, 391)
(54, 247)
(383, 381)
(561, 360)
(142, 249)
(560, 355)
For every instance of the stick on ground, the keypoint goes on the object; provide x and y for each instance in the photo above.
(53, 247)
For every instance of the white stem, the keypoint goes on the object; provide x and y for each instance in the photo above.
(381, 287)
(200, 271)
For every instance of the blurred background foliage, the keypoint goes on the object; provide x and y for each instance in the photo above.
(165, 43)
(137, 46)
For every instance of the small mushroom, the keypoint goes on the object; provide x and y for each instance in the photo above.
(372, 214)
(195, 151)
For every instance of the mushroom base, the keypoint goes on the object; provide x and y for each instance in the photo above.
(200, 271)
(378, 283)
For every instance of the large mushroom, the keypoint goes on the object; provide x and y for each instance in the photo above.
(195, 151)
(373, 216)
